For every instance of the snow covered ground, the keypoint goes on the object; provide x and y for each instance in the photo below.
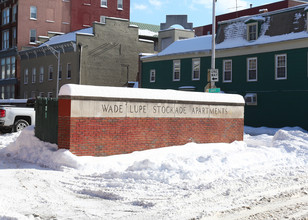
(263, 177)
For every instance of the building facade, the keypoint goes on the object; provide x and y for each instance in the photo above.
(207, 29)
(263, 58)
(105, 55)
(25, 22)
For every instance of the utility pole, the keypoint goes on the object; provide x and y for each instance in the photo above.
(56, 53)
(212, 75)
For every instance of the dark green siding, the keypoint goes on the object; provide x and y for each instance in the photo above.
(279, 102)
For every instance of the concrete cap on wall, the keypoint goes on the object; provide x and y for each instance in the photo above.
(74, 90)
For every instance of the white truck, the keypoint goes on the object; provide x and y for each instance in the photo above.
(15, 118)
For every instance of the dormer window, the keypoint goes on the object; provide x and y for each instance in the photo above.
(252, 31)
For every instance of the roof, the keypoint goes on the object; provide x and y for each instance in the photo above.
(147, 29)
(67, 37)
(232, 33)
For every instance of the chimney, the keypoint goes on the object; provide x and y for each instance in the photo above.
(250, 5)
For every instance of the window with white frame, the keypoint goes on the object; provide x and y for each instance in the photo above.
(33, 94)
(120, 4)
(41, 74)
(281, 66)
(25, 95)
(5, 16)
(69, 71)
(33, 12)
(5, 39)
(26, 76)
(34, 75)
(103, 19)
(32, 35)
(251, 99)
(176, 70)
(50, 72)
(252, 71)
(104, 3)
(252, 31)
(42, 94)
(49, 94)
(227, 71)
(152, 75)
(196, 69)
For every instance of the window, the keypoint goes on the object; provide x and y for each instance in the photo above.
(14, 37)
(251, 99)
(120, 4)
(49, 95)
(152, 75)
(33, 75)
(176, 70)
(50, 72)
(252, 30)
(69, 70)
(26, 76)
(196, 69)
(25, 95)
(8, 67)
(5, 16)
(103, 19)
(41, 74)
(14, 13)
(252, 69)
(33, 12)
(41, 94)
(104, 3)
(12, 91)
(2, 68)
(60, 72)
(33, 94)
(227, 71)
(281, 66)
(5, 39)
(32, 36)
(13, 68)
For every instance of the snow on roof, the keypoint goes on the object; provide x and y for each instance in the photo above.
(68, 37)
(254, 18)
(153, 94)
(191, 45)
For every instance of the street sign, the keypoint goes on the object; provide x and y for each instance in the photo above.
(214, 90)
(214, 75)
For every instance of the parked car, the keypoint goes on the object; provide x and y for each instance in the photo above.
(15, 118)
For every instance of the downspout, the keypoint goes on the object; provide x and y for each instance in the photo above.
(80, 62)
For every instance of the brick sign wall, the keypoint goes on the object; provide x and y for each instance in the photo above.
(123, 120)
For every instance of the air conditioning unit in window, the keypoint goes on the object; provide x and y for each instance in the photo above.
(251, 99)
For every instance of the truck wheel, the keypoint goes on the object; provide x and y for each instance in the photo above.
(20, 125)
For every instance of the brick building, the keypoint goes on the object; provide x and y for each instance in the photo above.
(207, 29)
(24, 21)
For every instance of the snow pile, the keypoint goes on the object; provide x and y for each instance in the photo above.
(29, 148)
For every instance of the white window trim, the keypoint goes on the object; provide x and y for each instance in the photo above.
(223, 74)
(41, 74)
(252, 24)
(104, 6)
(276, 66)
(193, 62)
(118, 5)
(173, 70)
(252, 96)
(33, 75)
(50, 66)
(152, 72)
(256, 79)
(31, 18)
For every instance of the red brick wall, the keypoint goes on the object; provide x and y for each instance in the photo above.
(109, 136)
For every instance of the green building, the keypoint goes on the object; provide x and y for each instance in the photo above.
(262, 57)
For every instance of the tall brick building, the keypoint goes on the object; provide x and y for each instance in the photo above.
(24, 21)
